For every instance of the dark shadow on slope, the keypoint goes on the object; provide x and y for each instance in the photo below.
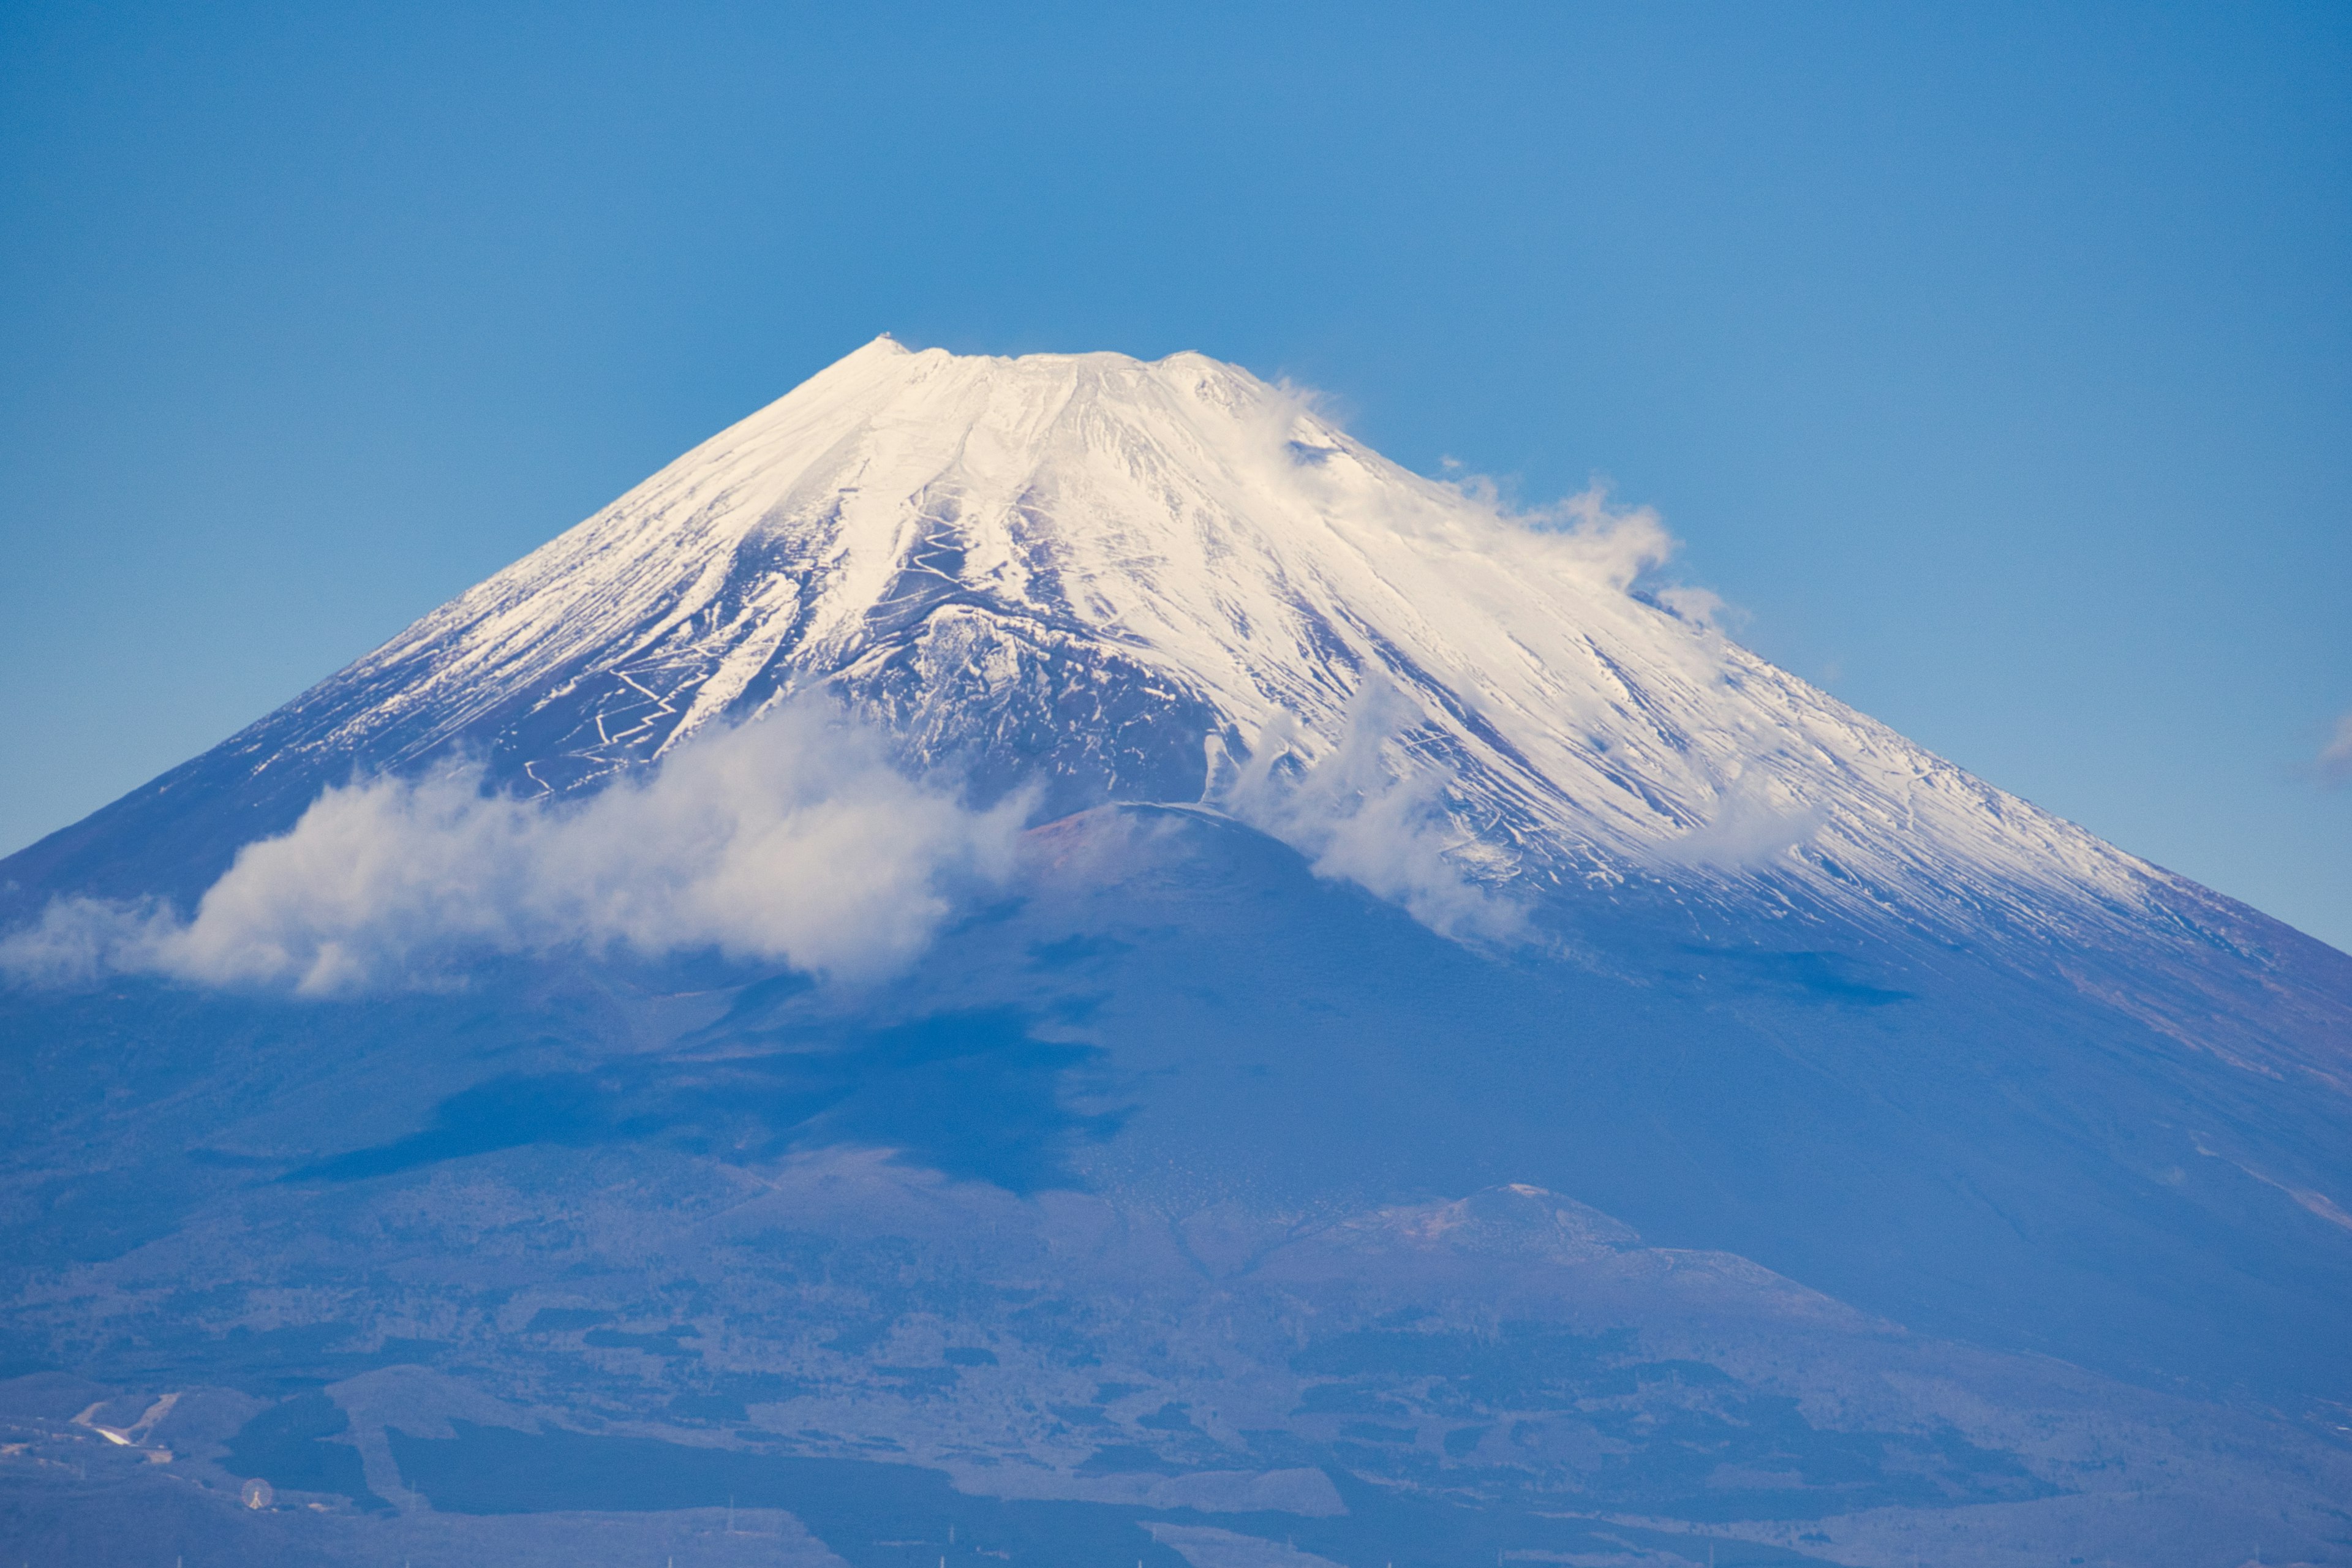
(974, 1095)
(293, 1447)
(1830, 977)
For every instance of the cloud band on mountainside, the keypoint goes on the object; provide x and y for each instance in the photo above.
(1357, 822)
(791, 839)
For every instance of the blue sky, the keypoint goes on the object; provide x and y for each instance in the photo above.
(1996, 360)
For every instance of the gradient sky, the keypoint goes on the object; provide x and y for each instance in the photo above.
(1996, 360)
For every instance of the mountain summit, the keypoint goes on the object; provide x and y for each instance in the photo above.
(1408, 1040)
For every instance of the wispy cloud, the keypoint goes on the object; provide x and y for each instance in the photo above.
(1608, 545)
(788, 840)
(2335, 757)
(1616, 546)
(1749, 829)
(1358, 821)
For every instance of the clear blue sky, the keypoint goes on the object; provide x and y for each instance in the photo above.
(1996, 359)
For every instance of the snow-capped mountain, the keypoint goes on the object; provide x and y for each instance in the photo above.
(1833, 1158)
(1113, 580)
(1125, 571)
(1127, 578)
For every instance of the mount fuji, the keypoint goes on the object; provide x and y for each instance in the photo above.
(1051, 957)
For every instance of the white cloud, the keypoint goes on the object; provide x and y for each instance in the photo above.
(1611, 546)
(2335, 757)
(1703, 606)
(1748, 829)
(790, 839)
(1615, 545)
(1357, 821)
